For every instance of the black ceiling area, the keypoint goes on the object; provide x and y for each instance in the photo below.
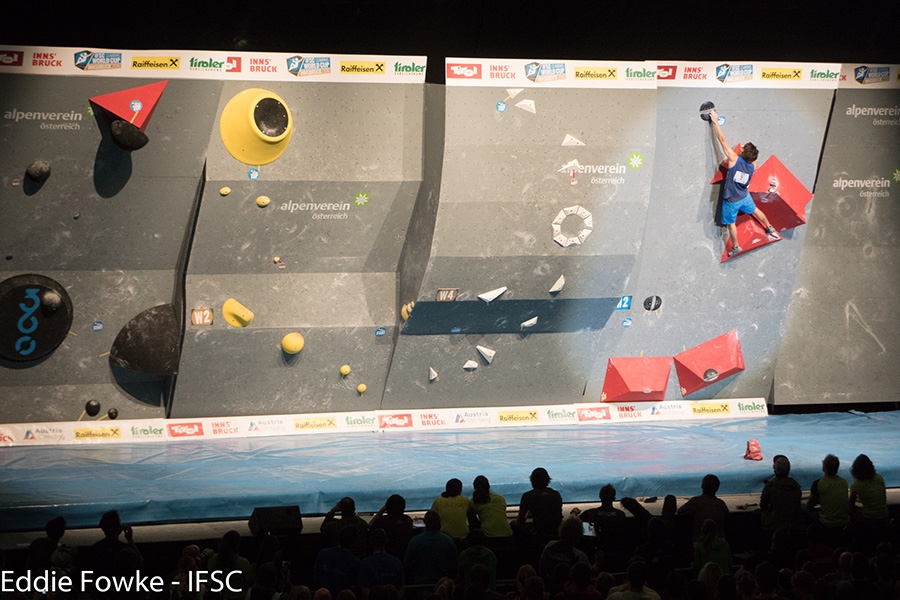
(766, 30)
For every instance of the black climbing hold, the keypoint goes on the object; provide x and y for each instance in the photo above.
(127, 136)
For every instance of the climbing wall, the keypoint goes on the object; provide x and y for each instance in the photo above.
(841, 340)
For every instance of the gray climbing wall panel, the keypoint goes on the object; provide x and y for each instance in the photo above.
(842, 338)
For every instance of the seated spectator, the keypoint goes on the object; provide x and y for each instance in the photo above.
(431, 554)
(706, 506)
(337, 567)
(332, 526)
(477, 554)
(869, 492)
(269, 584)
(578, 585)
(563, 551)
(228, 559)
(490, 508)
(711, 548)
(41, 549)
(609, 527)
(380, 568)
(779, 502)
(524, 573)
(111, 557)
(454, 510)
(544, 505)
(830, 493)
(396, 525)
(635, 587)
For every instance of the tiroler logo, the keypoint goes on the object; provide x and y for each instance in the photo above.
(357, 67)
(561, 415)
(750, 406)
(412, 68)
(205, 64)
(826, 74)
(463, 71)
(147, 431)
(357, 421)
(156, 63)
(640, 74)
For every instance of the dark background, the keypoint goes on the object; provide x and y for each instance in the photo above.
(766, 30)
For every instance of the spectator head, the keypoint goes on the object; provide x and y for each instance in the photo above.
(862, 468)
(111, 524)
(607, 493)
(540, 478)
(782, 467)
(571, 530)
(709, 529)
(395, 505)
(636, 574)
(453, 488)
(56, 528)
(432, 520)
(322, 594)
(378, 539)
(830, 464)
(347, 506)
(709, 485)
(524, 573)
(482, 493)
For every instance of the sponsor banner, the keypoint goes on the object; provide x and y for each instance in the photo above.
(174, 430)
(725, 74)
(523, 73)
(216, 65)
(869, 76)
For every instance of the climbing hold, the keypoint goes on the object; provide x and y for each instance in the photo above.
(113, 413)
(558, 286)
(38, 171)
(236, 314)
(492, 295)
(704, 110)
(361, 388)
(256, 126)
(529, 323)
(127, 136)
(406, 310)
(263, 201)
(432, 374)
(487, 353)
(470, 365)
(92, 408)
(345, 370)
(292, 343)
(224, 191)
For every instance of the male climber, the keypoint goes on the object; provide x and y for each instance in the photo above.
(736, 197)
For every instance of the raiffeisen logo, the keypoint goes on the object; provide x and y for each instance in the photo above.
(156, 63)
(866, 75)
(539, 73)
(362, 67)
(826, 75)
(597, 73)
(98, 433)
(640, 74)
(711, 409)
(307, 66)
(314, 423)
(518, 416)
(205, 64)
(98, 61)
(733, 73)
(790, 74)
(408, 68)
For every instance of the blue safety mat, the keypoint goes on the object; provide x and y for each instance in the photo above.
(226, 479)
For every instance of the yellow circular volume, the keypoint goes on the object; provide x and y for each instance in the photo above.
(263, 201)
(292, 343)
(256, 126)
(345, 370)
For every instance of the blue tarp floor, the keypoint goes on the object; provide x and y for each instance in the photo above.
(226, 479)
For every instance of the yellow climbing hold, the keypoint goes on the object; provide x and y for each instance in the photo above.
(236, 314)
(345, 370)
(225, 191)
(292, 343)
(361, 388)
(263, 201)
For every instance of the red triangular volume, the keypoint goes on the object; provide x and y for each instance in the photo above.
(723, 168)
(134, 105)
(779, 194)
(641, 379)
(709, 362)
(751, 236)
